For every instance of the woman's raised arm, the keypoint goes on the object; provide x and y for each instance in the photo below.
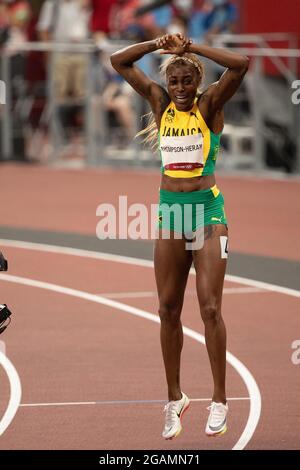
(237, 65)
(123, 61)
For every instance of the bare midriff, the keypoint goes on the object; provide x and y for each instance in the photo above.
(186, 185)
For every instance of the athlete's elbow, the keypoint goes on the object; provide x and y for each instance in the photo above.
(241, 65)
(245, 61)
(114, 60)
(118, 63)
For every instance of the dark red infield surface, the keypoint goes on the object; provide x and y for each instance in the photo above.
(83, 367)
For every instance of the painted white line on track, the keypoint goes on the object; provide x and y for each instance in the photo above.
(2, 347)
(252, 387)
(145, 294)
(129, 295)
(15, 392)
(137, 262)
(75, 252)
(263, 285)
(120, 402)
(243, 290)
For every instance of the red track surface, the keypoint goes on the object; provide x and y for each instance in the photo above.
(263, 215)
(67, 349)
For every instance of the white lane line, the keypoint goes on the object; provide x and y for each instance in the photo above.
(252, 387)
(120, 402)
(15, 392)
(145, 294)
(263, 285)
(75, 252)
(137, 262)
(243, 290)
(2, 347)
(129, 295)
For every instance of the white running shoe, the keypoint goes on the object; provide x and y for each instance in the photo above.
(174, 411)
(217, 420)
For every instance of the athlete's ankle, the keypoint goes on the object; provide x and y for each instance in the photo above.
(175, 395)
(219, 398)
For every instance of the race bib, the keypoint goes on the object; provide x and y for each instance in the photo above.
(182, 153)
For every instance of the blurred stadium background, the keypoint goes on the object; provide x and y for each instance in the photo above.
(65, 106)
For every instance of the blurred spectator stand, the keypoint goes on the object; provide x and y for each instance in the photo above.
(67, 22)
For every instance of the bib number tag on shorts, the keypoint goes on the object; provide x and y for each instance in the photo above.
(224, 246)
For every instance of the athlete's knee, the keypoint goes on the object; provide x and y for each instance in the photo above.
(210, 312)
(169, 313)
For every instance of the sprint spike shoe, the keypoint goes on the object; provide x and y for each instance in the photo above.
(4, 317)
(174, 412)
(3, 263)
(217, 420)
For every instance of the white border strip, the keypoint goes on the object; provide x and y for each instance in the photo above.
(75, 252)
(15, 393)
(136, 262)
(253, 390)
(120, 402)
(149, 294)
(263, 285)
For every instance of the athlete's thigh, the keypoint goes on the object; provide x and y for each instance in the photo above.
(172, 262)
(210, 264)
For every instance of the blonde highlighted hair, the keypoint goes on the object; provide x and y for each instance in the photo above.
(150, 132)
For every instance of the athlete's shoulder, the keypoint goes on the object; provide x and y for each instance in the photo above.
(160, 99)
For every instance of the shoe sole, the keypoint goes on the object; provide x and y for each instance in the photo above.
(179, 430)
(219, 433)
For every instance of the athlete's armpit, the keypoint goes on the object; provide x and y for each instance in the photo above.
(159, 101)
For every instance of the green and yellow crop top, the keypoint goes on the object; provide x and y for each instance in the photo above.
(188, 148)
